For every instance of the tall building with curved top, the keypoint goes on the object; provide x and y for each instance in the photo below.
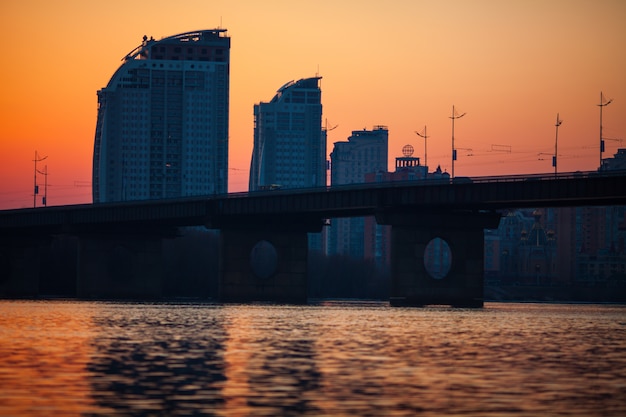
(289, 142)
(162, 126)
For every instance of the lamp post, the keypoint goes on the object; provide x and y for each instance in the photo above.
(454, 116)
(556, 142)
(44, 200)
(425, 145)
(35, 187)
(601, 105)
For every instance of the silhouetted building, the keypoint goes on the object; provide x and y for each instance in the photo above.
(567, 234)
(591, 240)
(289, 142)
(503, 254)
(618, 162)
(162, 127)
(537, 254)
(363, 153)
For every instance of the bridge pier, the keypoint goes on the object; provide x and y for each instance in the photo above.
(119, 266)
(424, 270)
(20, 264)
(265, 260)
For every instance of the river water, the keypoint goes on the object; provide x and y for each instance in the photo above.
(75, 358)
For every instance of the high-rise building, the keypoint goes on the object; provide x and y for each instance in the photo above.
(364, 152)
(162, 127)
(289, 142)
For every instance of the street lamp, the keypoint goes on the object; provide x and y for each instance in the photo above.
(454, 116)
(601, 105)
(425, 145)
(556, 141)
(36, 188)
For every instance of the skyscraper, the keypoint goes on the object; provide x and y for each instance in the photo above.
(289, 142)
(162, 127)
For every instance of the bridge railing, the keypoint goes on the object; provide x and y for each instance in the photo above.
(430, 182)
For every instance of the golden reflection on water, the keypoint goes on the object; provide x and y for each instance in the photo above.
(44, 351)
(335, 359)
(237, 355)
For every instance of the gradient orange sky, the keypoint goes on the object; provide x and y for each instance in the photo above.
(510, 65)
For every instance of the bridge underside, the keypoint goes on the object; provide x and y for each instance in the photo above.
(424, 271)
(266, 259)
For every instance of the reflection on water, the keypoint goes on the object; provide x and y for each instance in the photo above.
(45, 349)
(158, 359)
(123, 359)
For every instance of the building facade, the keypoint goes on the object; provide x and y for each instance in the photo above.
(289, 141)
(162, 126)
(364, 152)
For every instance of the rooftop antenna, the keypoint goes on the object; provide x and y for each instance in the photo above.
(425, 144)
(603, 103)
(454, 116)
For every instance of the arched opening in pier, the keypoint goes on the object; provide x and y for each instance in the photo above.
(437, 258)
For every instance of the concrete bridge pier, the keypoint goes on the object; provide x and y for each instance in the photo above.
(119, 266)
(438, 258)
(20, 264)
(265, 260)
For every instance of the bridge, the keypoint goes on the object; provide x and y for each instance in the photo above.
(263, 235)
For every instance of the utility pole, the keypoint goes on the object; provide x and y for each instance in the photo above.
(454, 116)
(36, 188)
(556, 142)
(425, 145)
(602, 104)
(44, 200)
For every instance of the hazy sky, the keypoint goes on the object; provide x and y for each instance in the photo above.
(511, 66)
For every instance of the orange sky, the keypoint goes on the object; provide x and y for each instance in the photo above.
(510, 65)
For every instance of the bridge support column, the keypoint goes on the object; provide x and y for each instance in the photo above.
(20, 260)
(265, 263)
(119, 267)
(424, 270)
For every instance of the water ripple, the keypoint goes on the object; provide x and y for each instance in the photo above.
(334, 359)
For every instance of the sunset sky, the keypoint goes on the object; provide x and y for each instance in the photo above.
(511, 66)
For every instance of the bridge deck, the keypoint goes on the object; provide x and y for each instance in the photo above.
(460, 194)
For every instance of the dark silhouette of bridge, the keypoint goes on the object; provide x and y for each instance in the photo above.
(264, 234)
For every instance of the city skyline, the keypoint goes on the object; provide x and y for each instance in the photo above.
(511, 67)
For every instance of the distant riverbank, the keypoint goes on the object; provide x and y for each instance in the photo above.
(554, 293)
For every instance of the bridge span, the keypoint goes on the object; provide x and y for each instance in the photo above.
(264, 234)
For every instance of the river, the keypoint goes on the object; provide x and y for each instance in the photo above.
(81, 358)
